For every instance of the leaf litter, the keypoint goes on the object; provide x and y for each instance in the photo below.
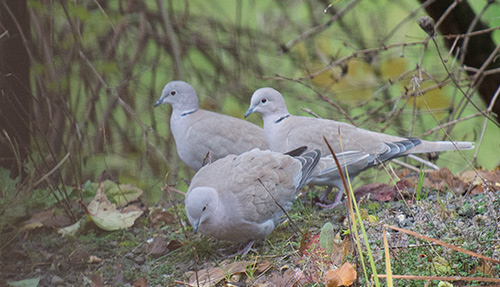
(468, 213)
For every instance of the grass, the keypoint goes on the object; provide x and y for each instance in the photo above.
(467, 221)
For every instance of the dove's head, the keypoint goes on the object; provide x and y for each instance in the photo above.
(267, 102)
(201, 203)
(180, 95)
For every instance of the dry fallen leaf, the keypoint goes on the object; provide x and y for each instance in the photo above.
(485, 267)
(314, 254)
(97, 280)
(159, 216)
(481, 180)
(158, 247)
(443, 176)
(211, 276)
(343, 276)
(107, 216)
(379, 191)
(141, 282)
(173, 244)
(45, 218)
(440, 180)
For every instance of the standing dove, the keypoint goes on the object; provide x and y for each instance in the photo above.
(361, 148)
(198, 132)
(240, 197)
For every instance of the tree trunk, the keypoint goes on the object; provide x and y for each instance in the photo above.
(478, 49)
(15, 89)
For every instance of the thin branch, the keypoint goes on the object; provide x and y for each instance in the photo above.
(318, 29)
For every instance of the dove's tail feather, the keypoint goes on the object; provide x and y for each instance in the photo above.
(309, 161)
(429, 146)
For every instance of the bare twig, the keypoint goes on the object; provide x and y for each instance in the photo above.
(442, 243)
(320, 28)
(172, 40)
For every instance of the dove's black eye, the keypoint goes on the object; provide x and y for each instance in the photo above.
(172, 93)
(263, 101)
(204, 208)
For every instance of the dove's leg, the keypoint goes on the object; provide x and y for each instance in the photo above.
(324, 196)
(243, 251)
(338, 200)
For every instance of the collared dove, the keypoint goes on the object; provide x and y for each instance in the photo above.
(198, 132)
(240, 197)
(361, 148)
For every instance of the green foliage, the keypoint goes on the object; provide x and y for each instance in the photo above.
(421, 177)
(109, 64)
(33, 282)
(7, 184)
(326, 237)
(16, 202)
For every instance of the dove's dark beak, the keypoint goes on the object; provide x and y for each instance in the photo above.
(249, 111)
(195, 226)
(159, 102)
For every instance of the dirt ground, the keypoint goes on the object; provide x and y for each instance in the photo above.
(160, 249)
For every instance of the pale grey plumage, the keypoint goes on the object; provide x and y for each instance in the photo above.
(362, 148)
(228, 198)
(197, 131)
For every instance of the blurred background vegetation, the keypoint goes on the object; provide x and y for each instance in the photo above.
(97, 67)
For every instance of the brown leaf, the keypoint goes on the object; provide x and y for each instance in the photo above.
(343, 276)
(319, 260)
(212, 276)
(97, 280)
(485, 267)
(444, 175)
(174, 244)
(45, 218)
(159, 216)
(158, 247)
(105, 176)
(481, 180)
(439, 180)
(141, 282)
(291, 277)
(379, 191)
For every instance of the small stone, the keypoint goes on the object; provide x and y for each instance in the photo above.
(139, 259)
(407, 222)
(56, 281)
(400, 218)
(129, 255)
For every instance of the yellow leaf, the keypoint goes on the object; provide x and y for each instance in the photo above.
(302, 51)
(393, 67)
(326, 78)
(433, 99)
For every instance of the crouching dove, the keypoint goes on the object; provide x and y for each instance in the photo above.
(362, 148)
(240, 197)
(198, 132)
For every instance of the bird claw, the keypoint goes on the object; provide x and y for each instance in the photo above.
(243, 251)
